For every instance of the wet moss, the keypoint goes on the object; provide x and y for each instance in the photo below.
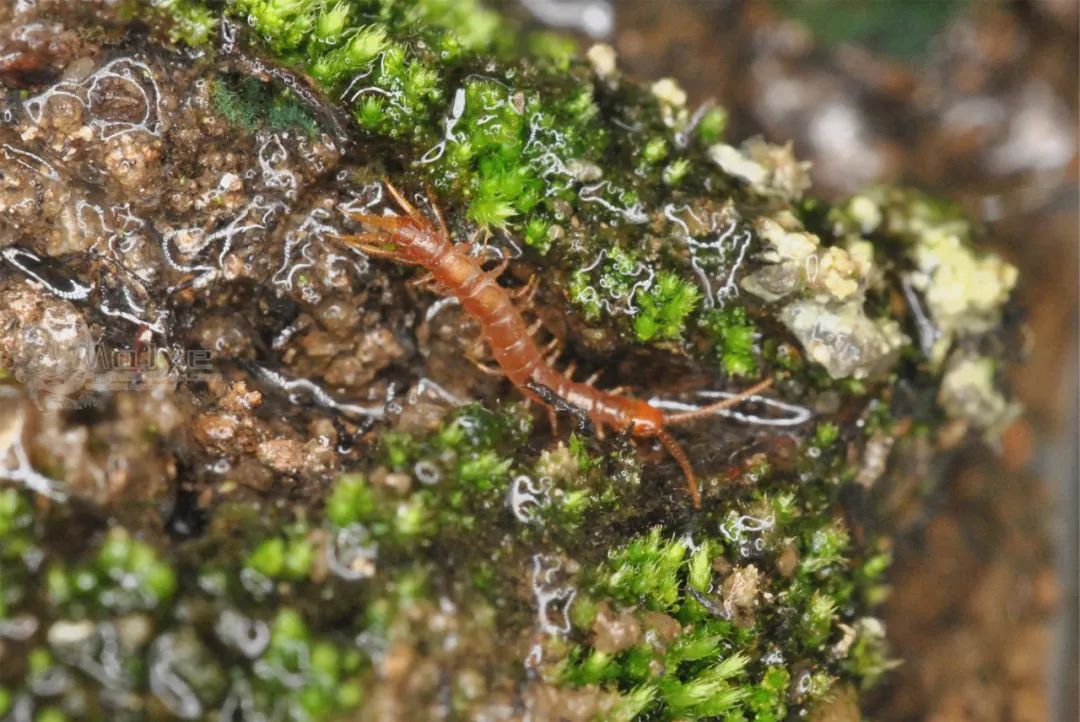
(253, 105)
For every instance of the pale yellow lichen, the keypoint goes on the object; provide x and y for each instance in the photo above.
(964, 292)
(968, 392)
(734, 163)
(843, 339)
(770, 170)
(668, 91)
(865, 212)
(836, 273)
(602, 57)
(827, 316)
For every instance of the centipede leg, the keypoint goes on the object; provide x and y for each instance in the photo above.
(557, 404)
(480, 252)
(421, 281)
(527, 293)
(484, 368)
(442, 223)
(499, 270)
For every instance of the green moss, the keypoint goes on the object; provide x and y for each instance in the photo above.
(283, 24)
(712, 126)
(713, 586)
(676, 172)
(351, 499)
(327, 689)
(253, 105)
(50, 714)
(733, 336)
(647, 571)
(664, 308)
(826, 434)
(288, 557)
(366, 43)
(191, 22)
(125, 575)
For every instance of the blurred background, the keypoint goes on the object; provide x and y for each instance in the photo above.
(974, 101)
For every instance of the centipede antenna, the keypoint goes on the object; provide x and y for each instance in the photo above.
(386, 224)
(680, 457)
(372, 244)
(687, 416)
(409, 208)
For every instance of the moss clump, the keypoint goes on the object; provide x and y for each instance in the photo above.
(734, 337)
(119, 602)
(743, 624)
(288, 556)
(664, 308)
(126, 575)
(253, 105)
(191, 22)
(328, 686)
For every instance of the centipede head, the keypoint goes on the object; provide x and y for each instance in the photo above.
(410, 237)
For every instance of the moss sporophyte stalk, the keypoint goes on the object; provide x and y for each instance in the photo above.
(346, 520)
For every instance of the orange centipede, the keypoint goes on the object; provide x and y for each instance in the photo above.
(414, 240)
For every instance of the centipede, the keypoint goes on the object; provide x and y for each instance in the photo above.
(412, 238)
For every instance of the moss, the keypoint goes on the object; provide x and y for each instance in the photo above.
(719, 655)
(191, 22)
(734, 338)
(712, 126)
(253, 105)
(125, 575)
(288, 557)
(663, 309)
(328, 688)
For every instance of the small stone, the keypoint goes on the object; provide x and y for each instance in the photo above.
(614, 632)
(283, 455)
(67, 634)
